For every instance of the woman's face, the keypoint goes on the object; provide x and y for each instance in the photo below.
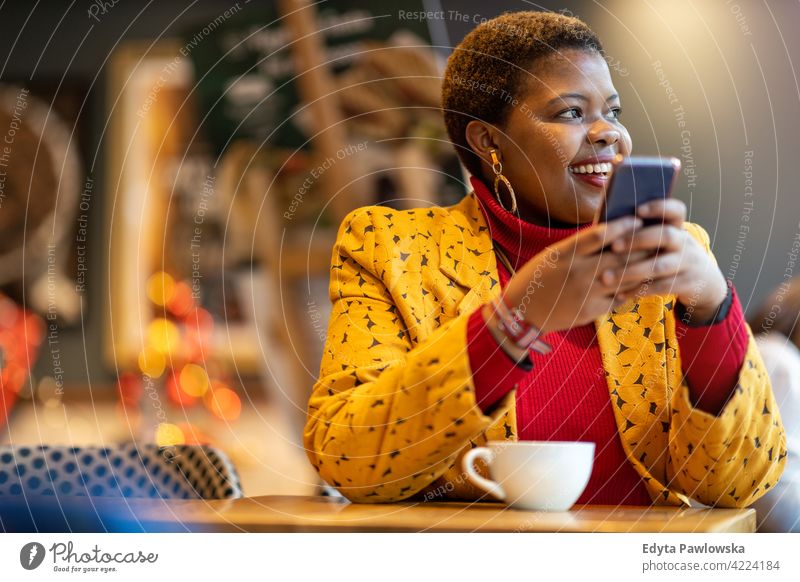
(560, 138)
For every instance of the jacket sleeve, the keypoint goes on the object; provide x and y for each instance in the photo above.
(731, 459)
(387, 417)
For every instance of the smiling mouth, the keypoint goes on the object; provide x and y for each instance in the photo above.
(600, 169)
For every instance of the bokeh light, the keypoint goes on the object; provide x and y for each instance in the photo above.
(193, 435)
(152, 362)
(168, 435)
(194, 380)
(201, 320)
(130, 388)
(175, 394)
(160, 288)
(181, 300)
(223, 402)
(163, 335)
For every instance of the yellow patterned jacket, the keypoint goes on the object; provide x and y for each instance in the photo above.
(394, 407)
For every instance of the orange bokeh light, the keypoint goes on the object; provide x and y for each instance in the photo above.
(193, 435)
(200, 320)
(182, 300)
(194, 380)
(176, 395)
(223, 402)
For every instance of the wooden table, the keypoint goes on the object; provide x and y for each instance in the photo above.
(323, 514)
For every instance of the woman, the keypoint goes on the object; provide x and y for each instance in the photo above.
(425, 355)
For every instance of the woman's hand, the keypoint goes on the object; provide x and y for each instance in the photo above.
(561, 287)
(676, 264)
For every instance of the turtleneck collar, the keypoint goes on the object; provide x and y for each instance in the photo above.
(519, 240)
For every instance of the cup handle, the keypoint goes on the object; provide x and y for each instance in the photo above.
(468, 464)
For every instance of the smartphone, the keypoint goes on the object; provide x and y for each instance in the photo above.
(635, 181)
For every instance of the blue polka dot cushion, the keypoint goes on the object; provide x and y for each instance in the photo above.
(179, 472)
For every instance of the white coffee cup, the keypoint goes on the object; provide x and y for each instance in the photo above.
(535, 475)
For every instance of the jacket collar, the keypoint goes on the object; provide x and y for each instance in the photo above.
(466, 254)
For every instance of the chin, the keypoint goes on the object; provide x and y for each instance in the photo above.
(570, 221)
(585, 208)
(583, 217)
(588, 211)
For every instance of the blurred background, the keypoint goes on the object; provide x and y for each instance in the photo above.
(172, 175)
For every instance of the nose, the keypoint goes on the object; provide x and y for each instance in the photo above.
(603, 133)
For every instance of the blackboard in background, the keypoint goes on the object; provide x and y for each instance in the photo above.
(244, 67)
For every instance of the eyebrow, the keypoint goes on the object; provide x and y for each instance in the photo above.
(578, 96)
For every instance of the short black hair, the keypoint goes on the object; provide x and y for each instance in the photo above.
(486, 70)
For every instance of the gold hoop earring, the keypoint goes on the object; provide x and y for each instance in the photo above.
(497, 168)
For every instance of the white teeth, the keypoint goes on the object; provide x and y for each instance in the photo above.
(602, 168)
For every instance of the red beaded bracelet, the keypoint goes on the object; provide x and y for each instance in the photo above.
(524, 335)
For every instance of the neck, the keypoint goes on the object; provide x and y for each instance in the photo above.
(519, 239)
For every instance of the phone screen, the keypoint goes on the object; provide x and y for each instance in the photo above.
(635, 181)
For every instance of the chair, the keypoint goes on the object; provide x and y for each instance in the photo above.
(179, 472)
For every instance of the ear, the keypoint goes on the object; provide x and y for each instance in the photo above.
(483, 137)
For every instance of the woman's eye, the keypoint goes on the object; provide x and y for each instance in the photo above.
(571, 113)
(615, 112)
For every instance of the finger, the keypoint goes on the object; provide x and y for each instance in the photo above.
(616, 287)
(660, 266)
(661, 237)
(630, 290)
(611, 265)
(611, 260)
(669, 210)
(665, 286)
(596, 237)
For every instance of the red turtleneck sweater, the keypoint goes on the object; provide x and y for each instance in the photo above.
(564, 397)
